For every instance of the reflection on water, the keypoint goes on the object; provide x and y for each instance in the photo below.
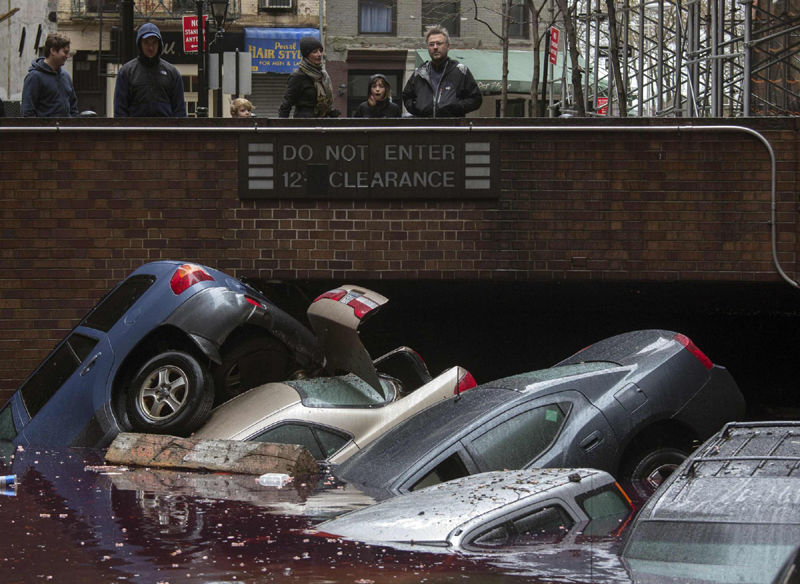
(71, 520)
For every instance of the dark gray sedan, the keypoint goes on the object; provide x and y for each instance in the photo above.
(633, 405)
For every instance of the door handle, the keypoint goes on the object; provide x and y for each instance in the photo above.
(90, 364)
(591, 440)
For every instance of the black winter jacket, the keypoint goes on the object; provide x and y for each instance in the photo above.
(301, 95)
(149, 88)
(389, 109)
(456, 95)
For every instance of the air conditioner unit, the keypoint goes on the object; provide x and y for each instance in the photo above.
(277, 4)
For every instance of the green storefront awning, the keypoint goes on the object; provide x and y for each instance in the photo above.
(487, 68)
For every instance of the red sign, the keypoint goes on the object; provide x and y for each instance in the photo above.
(602, 106)
(554, 45)
(190, 33)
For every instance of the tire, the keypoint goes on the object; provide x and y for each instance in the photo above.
(251, 361)
(171, 394)
(648, 469)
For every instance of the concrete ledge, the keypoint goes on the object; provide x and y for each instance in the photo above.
(253, 458)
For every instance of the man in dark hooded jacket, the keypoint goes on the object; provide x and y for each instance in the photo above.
(441, 87)
(47, 91)
(148, 86)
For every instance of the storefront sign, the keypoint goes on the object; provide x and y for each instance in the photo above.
(369, 166)
(276, 50)
(190, 33)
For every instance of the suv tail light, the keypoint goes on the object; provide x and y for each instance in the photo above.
(187, 276)
(465, 382)
(692, 348)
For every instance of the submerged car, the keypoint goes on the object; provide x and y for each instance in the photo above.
(633, 405)
(493, 511)
(336, 416)
(153, 355)
(730, 513)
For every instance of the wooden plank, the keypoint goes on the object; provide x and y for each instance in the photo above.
(255, 458)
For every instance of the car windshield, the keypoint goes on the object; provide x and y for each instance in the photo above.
(718, 552)
(524, 379)
(340, 392)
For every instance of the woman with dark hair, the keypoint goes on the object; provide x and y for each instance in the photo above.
(379, 102)
(309, 90)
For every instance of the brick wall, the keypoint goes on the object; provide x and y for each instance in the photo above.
(81, 208)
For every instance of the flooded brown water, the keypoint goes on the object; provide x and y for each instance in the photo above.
(70, 519)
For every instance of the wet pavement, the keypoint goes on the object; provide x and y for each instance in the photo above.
(73, 519)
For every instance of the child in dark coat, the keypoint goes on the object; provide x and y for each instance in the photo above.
(379, 102)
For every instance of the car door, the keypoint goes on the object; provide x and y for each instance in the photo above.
(60, 397)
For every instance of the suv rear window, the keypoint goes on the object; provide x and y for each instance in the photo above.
(54, 371)
(118, 302)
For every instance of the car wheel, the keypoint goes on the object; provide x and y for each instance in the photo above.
(250, 362)
(171, 394)
(649, 469)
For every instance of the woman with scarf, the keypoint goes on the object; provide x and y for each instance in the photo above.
(309, 90)
(379, 102)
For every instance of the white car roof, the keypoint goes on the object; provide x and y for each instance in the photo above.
(431, 514)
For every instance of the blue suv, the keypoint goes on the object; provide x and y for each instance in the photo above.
(154, 356)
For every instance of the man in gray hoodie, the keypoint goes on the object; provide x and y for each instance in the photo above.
(48, 91)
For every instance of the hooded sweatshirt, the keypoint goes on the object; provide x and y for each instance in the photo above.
(47, 93)
(383, 109)
(149, 87)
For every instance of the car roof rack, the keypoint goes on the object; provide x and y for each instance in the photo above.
(743, 448)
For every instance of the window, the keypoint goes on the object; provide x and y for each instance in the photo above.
(603, 503)
(450, 468)
(544, 525)
(275, 4)
(117, 303)
(321, 443)
(376, 16)
(518, 28)
(54, 372)
(446, 13)
(515, 108)
(519, 440)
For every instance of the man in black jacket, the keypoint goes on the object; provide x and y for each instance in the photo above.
(441, 87)
(148, 86)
